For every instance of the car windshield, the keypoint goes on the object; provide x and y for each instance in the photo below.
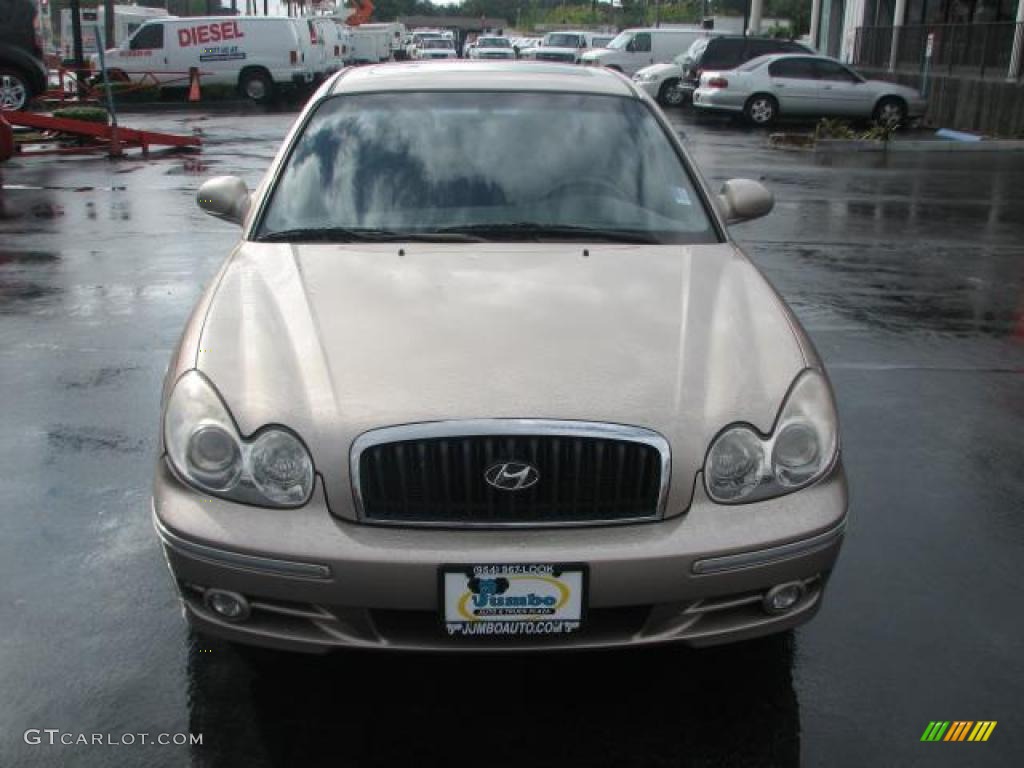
(697, 48)
(494, 42)
(438, 43)
(561, 41)
(499, 166)
(620, 41)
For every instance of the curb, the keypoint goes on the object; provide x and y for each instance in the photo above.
(936, 145)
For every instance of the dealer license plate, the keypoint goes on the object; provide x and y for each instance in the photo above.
(513, 600)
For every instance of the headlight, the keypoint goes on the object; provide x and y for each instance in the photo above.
(744, 466)
(273, 468)
(645, 77)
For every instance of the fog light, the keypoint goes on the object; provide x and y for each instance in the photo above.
(783, 597)
(228, 605)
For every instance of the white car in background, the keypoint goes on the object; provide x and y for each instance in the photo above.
(419, 37)
(566, 47)
(794, 85)
(491, 47)
(435, 48)
(523, 44)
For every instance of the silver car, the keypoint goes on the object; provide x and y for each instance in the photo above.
(795, 85)
(481, 384)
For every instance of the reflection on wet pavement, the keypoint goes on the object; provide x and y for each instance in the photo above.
(664, 707)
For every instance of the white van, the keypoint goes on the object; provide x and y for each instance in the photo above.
(395, 33)
(255, 53)
(633, 49)
(329, 44)
(373, 43)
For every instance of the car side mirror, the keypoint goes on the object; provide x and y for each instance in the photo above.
(743, 200)
(225, 197)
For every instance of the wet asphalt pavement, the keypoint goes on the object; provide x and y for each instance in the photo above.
(908, 272)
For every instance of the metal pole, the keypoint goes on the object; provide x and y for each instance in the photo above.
(76, 41)
(815, 23)
(115, 144)
(1018, 44)
(108, 23)
(899, 14)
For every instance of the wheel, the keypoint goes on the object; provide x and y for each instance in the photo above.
(891, 111)
(761, 109)
(14, 90)
(256, 84)
(670, 94)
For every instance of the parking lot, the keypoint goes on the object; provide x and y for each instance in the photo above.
(907, 269)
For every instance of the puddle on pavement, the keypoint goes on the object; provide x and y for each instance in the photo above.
(68, 439)
(98, 378)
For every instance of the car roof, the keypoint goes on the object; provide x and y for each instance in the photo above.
(481, 76)
(770, 57)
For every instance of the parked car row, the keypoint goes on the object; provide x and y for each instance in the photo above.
(763, 79)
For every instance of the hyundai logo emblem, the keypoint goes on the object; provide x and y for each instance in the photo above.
(512, 476)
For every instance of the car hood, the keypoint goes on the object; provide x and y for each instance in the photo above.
(335, 340)
(555, 49)
(659, 70)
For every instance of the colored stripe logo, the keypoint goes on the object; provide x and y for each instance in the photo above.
(958, 730)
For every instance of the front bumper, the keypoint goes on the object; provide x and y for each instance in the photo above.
(650, 87)
(315, 582)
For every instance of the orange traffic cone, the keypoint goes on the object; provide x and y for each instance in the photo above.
(193, 85)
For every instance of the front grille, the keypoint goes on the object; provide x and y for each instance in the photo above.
(557, 57)
(434, 474)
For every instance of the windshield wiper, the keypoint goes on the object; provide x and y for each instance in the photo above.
(535, 231)
(349, 235)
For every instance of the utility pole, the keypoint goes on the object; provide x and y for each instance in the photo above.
(76, 41)
(108, 24)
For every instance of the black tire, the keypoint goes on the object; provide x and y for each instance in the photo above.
(15, 91)
(891, 111)
(761, 109)
(256, 84)
(670, 94)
